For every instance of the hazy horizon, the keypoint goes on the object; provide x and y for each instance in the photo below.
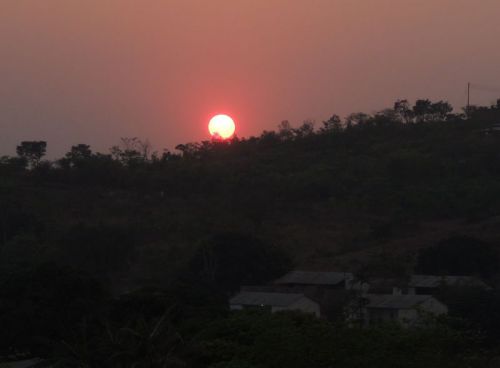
(94, 71)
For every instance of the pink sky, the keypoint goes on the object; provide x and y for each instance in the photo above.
(92, 71)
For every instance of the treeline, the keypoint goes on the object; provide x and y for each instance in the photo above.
(419, 159)
(127, 257)
(366, 180)
(133, 151)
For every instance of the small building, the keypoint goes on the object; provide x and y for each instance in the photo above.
(392, 285)
(429, 284)
(493, 129)
(331, 290)
(405, 309)
(274, 302)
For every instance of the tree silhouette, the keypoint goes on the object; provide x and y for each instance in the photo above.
(422, 110)
(230, 260)
(425, 110)
(131, 151)
(285, 130)
(79, 152)
(357, 118)
(76, 156)
(32, 152)
(334, 124)
(403, 109)
(440, 110)
(306, 129)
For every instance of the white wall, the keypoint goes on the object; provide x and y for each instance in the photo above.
(306, 305)
(434, 306)
(407, 316)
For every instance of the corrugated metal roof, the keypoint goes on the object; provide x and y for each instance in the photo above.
(264, 298)
(313, 278)
(432, 281)
(23, 364)
(390, 301)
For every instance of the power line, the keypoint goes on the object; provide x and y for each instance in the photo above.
(468, 96)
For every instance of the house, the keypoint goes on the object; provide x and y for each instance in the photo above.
(331, 290)
(392, 285)
(323, 280)
(405, 309)
(429, 284)
(423, 284)
(493, 129)
(274, 302)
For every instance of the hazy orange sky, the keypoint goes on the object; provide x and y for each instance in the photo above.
(92, 71)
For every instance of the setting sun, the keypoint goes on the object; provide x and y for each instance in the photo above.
(221, 126)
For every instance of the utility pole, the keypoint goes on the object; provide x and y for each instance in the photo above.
(468, 96)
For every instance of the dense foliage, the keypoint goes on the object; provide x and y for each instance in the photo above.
(459, 255)
(126, 259)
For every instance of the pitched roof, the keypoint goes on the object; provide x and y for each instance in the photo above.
(432, 281)
(390, 301)
(313, 278)
(22, 363)
(265, 298)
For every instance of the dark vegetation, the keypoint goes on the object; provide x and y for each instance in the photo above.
(126, 259)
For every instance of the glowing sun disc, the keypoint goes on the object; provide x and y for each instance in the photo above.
(221, 126)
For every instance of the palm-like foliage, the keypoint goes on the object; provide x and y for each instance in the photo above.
(140, 344)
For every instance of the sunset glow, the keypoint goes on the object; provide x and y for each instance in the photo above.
(221, 126)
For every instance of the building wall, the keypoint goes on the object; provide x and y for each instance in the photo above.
(304, 305)
(252, 307)
(375, 316)
(430, 306)
(307, 305)
(434, 306)
(408, 317)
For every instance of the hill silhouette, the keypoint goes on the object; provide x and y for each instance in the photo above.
(400, 179)
(111, 258)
